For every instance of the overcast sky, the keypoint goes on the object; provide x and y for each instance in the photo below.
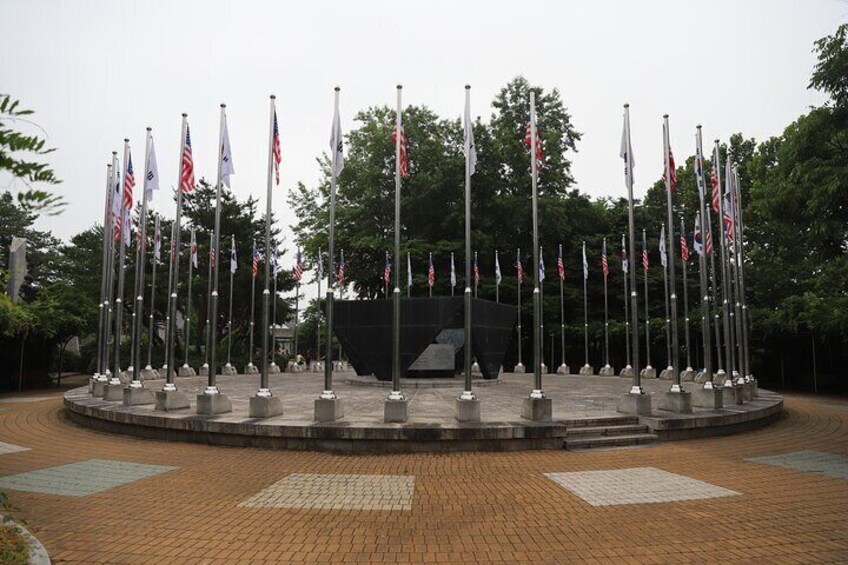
(96, 72)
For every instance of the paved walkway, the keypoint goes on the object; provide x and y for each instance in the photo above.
(779, 494)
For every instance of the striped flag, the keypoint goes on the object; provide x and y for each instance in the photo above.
(275, 149)
(604, 261)
(431, 272)
(645, 259)
(528, 141)
(129, 183)
(728, 220)
(255, 264)
(298, 266)
(211, 255)
(187, 167)
(387, 272)
(476, 271)
(193, 249)
(714, 183)
(404, 143)
(560, 264)
(684, 247)
(625, 264)
(709, 245)
(341, 276)
(519, 268)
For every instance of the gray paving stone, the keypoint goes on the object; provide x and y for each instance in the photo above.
(82, 478)
(637, 485)
(808, 461)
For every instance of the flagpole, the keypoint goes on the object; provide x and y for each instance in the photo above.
(475, 274)
(539, 272)
(171, 258)
(131, 372)
(585, 314)
(497, 279)
(141, 249)
(675, 340)
(636, 386)
(705, 271)
(273, 368)
(186, 369)
(606, 311)
(229, 367)
(150, 330)
(624, 275)
(453, 276)
(670, 366)
(728, 353)
(749, 377)
(738, 337)
(110, 275)
(119, 297)
(207, 333)
(264, 403)
(537, 406)
(685, 298)
(296, 314)
(104, 266)
(647, 313)
(563, 368)
(250, 365)
(467, 394)
(319, 276)
(519, 368)
(408, 274)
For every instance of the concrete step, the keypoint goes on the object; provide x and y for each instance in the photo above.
(584, 443)
(605, 431)
(602, 422)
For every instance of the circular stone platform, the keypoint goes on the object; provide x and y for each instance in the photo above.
(584, 402)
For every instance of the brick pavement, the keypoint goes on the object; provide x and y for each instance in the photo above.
(459, 507)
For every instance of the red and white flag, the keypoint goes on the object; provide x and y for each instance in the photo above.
(275, 149)
(520, 269)
(431, 272)
(404, 143)
(187, 166)
(684, 247)
(645, 259)
(560, 264)
(604, 261)
(528, 140)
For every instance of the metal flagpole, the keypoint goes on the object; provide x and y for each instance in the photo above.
(296, 314)
(171, 258)
(738, 341)
(541, 273)
(560, 271)
(157, 245)
(520, 367)
(122, 254)
(739, 234)
(585, 311)
(728, 353)
(467, 393)
(274, 299)
(131, 367)
(625, 267)
(536, 393)
(708, 283)
(408, 274)
(319, 276)
(396, 395)
(627, 154)
(253, 274)
(675, 341)
(104, 268)
(453, 276)
(187, 370)
(174, 270)
(685, 260)
(497, 279)
(141, 249)
(606, 311)
(664, 256)
(230, 305)
(110, 283)
(647, 313)
(208, 328)
(211, 386)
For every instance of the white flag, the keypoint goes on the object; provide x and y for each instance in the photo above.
(233, 260)
(157, 243)
(663, 258)
(336, 144)
(117, 203)
(127, 231)
(408, 269)
(585, 263)
(469, 148)
(497, 269)
(541, 266)
(193, 249)
(453, 272)
(226, 153)
(151, 173)
(626, 153)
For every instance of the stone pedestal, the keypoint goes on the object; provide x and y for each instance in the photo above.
(211, 404)
(396, 411)
(677, 402)
(149, 373)
(138, 396)
(688, 375)
(709, 398)
(627, 372)
(228, 370)
(113, 392)
(204, 370)
(701, 377)
(97, 388)
(273, 369)
(91, 382)
(563, 370)
(667, 374)
(639, 404)
(468, 410)
(729, 396)
(606, 371)
(648, 373)
(328, 409)
(745, 389)
(720, 378)
(544, 369)
(186, 371)
(251, 369)
(537, 409)
(755, 391)
(265, 406)
(167, 400)
(519, 368)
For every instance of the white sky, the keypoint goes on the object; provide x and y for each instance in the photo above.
(96, 72)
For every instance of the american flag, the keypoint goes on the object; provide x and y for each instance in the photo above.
(684, 247)
(604, 262)
(645, 259)
(298, 266)
(528, 141)
(714, 183)
(187, 171)
(211, 255)
(255, 270)
(476, 271)
(431, 272)
(560, 265)
(709, 245)
(341, 276)
(387, 272)
(728, 220)
(672, 171)
(129, 183)
(404, 143)
(276, 149)
(520, 270)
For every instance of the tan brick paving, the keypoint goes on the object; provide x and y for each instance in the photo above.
(469, 507)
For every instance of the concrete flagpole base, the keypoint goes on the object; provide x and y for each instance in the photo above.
(265, 406)
(720, 377)
(186, 371)
(745, 388)
(709, 398)
(587, 370)
(138, 396)
(273, 369)
(204, 370)
(328, 409)
(467, 410)
(606, 371)
(667, 374)
(149, 373)
(648, 373)
(251, 369)
(228, 370)
(631, 403)
(97, 389)
(396, 411)
(544, 369)
(113, 391)
(563, 370)
(730, 396)
(519, 369)
(167, 400)
(679, 402)
(94, 378)
(627, 372)
(537, 409)
(211, 404)
(688, 375)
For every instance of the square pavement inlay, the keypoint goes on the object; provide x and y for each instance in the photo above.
(637, 485)
(808, 461)
(337, 492)
(83, 478)
(10, 448)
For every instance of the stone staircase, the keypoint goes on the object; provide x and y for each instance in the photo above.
(607, 433)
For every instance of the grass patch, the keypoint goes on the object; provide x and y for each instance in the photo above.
(14, 548)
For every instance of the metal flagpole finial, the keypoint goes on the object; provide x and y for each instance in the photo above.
(400, 87)
(185, 115)
(149, 128)
(337, 89)
(467, 87)
(273, 97)
(126, 140)
(698, 126)
(223, 105)
(665, 116)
